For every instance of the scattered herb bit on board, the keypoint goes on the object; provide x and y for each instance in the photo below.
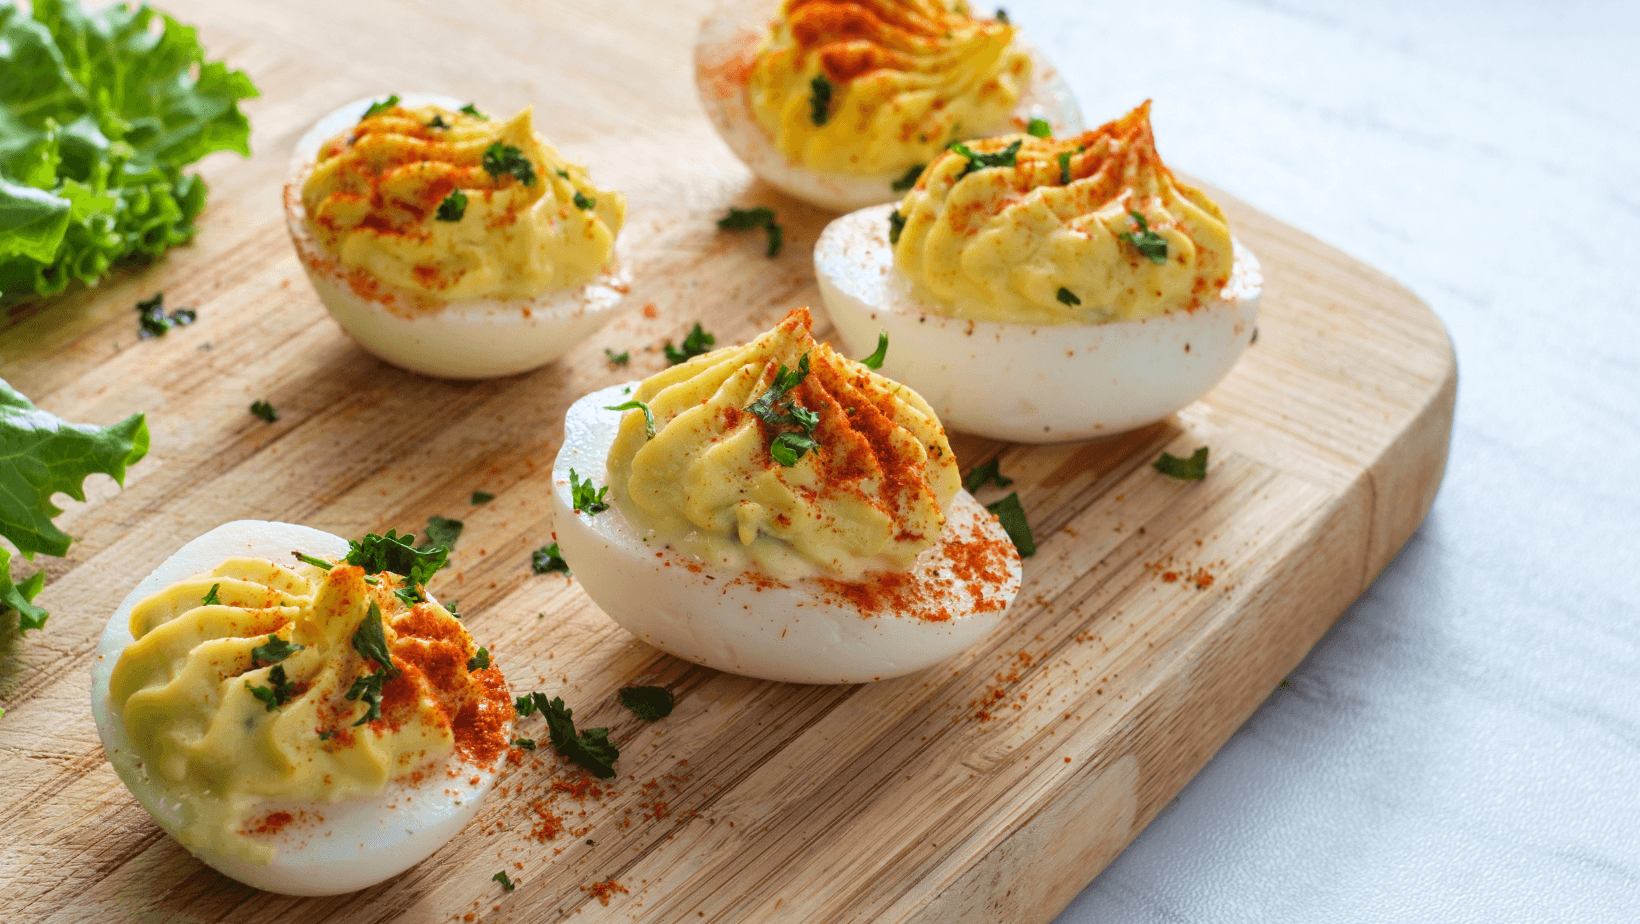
(648, 703)
(46, 455)
(1012, 516)
(1191, 469)
(760, 217)
(617, 359)
(875, 360)
(909, 179)
(1039, 128)
(265, 410)
(695, 344)
(587, 498)
(820, 99)
(454, 206)
(482, 497)
(979, 161)
(381, 106)
(502, 159)
(1151, 246)
(527, 744)
(152, 321)
(547, 559)
(591, 748)
(986, 473)
(441, 531)
(636, 405)
(506, 883)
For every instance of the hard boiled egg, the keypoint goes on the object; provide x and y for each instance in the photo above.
(317, 848)
(470, 338)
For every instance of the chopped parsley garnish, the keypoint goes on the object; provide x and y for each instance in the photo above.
(1002, 16)
(279, 693)
(527, 744)
(617, 359)
(382, 105)
(896, 224)
(636, 405)
(1012, 515)
(587, 499)
(988, 473)
(979, 161)
(370, 641)
(211, 599)
(482, 497)
(548, 559)
(152, 321)
(582, 202)
(397, 554)
(759, 217)
(479, 661)
(1150, 245)
(472, 110)
(779, 409)
(1039, 128)
(909, 179)
(315, 562)
(648, 703)
(453, 207)
(1191, 469)
(327, 734)
(591, 749)
(696, 344)
(1067, 297)
(265, 411)
(526, 705)
(820, 99)
(506, 883)
(368, 687)
(501, 159)
(274, 650)
(875, 360)
(438, 122)
(441, 531)
(1064, 168)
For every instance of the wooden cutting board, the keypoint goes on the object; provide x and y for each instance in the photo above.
(1155, 617)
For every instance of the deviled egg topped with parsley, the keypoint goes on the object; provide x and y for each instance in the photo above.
(450, 242)
(1040, 289)
(777, 510)
(842, 102)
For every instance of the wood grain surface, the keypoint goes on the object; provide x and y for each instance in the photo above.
(991, 788)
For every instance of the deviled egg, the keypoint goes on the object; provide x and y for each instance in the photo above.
(306, 723)
(842, 102)
(451, 243)
(1047, 289)
(777, 510)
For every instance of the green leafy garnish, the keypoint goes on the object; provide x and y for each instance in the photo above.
(1039, 128)
(636, 405)
(979, 161)
(382, 105)
(1150, 245)
(453, 207)
(987, 473)
(211, 599)
(1012, 516)
(438, 122)
(648, 703)
(152, 321)
(1064, 168)
(501, 877)
(820, 99)
(587, 499)
(875, 360)
(582, 202)
(482, 497)
(909, 179)
(591, 748)
(501, 159)
(1067, 297)
(398, 555)
(1191, 469)
(617, 359)
(368, 687)
(896, 224)
(441, 531)
(274, 650)
(527, 744)
(99, 114)
(277, 695)
(759, 217)
(696, 344)
(264, 410)
(450, 607)
(370, 641)
(1002, 15)
(327, 734)
(547, 559)
(779, 409)
(472, 110)
(42, 455)
(315, 562)
(480, 660)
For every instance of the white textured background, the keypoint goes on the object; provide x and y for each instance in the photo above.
(1464, 745)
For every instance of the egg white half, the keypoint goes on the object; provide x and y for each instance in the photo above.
(729, 38)
(360, 841)
(467, 339)
(791, 631)
(1028, 383)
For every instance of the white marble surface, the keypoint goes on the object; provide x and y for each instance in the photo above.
(1464, 745)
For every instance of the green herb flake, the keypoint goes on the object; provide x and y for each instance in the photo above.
(382, 105)
(909, 179)
(548, 559)
(759, 217)
(1148, 243)
(327, 735)
(152, 321)
(368, 688)
(648, 703)
(472, 110)
(315, 562)
(450, 607)
(506, 883)
(211, 599)
(591, 748)
(398, 555)
(454, 206)
(587, 498)
(1067, 297)
(979, 161)
(479, 660)
(986, 473)
(274, 650)
(504, 159)
(266, 411)
(617, 359)
(279, 693)
(1039, 128)
(636, 405)
(896, 224)
(820, 99)
(1191, 469)
(779, 410)
(1002, 16)
(527, 744)
(875, 360)
(696, 344)
(1064, 168)
(438, 122)
(442, 532)
(582, 202)
(370, 641)
(482, 497)
(1012, 516)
